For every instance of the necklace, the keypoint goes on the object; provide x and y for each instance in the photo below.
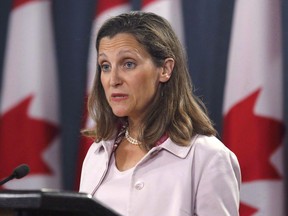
(131, 139)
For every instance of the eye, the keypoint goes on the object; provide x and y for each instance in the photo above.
(129, 65)
(105, 67)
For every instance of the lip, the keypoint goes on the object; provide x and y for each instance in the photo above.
(116, 97)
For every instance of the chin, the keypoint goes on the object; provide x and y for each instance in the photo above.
(120, 113)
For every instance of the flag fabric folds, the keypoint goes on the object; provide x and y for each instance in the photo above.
(169, 9)
(29, 129)
(253, 105)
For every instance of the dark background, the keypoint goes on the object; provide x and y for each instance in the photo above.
(207, 33)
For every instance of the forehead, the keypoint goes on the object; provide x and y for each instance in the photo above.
(120, 45)
(118, 41)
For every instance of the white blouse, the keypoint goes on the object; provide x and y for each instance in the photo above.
(115, 188)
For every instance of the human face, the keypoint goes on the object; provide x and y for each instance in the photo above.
(128, 75)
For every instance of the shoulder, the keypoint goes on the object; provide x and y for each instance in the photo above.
(200, 146)
(209, 145)
(210, 150)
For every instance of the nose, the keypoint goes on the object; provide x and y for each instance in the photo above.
(115, 78)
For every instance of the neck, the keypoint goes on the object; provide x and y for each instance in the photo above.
(133, 128)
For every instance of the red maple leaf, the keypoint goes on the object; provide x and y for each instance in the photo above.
(253, 139)
(18, 3)
(246, 210)
(23, 140)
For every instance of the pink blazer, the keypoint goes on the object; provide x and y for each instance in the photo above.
(201, 179)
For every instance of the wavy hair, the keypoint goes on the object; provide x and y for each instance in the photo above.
(175, 110)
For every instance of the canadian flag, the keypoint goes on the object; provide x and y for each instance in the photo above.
(169, 9)
(253, 105)
(29, 129)
(104, 10)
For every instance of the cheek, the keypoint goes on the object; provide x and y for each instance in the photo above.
(147, 86)
(103, 81)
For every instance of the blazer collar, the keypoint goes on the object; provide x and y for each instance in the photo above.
(168, 144)
(107, 146)
(179, 151)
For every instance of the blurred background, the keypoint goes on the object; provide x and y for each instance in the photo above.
(237, 55)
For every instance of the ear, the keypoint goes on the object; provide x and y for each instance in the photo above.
(167, 69)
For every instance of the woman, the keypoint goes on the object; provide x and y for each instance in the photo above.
(155, 150)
